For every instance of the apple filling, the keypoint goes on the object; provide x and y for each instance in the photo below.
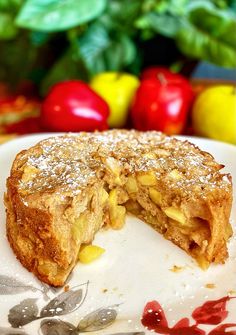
(139, 195)
(189, 232)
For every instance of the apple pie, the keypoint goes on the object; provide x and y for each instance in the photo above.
(64, 189)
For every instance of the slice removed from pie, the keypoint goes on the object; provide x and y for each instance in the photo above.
(61, 191)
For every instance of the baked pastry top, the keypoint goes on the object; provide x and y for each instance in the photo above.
(64, 189)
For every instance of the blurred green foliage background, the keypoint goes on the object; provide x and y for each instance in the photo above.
(50, 40)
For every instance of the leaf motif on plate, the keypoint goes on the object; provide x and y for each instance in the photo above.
(212, 312)
(23, 313)
(57, 327)
(154, 316)
(10, 285)
(223, 329)
(182, 323)
(45, 289)
(10, 331)
(99, 319)
(65, 302)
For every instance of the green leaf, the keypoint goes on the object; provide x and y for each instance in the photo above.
(16, 59)
(220, 24)
(102, 52)
(164, 24)
(92, 45)
(232, 4)
(121, 15)
(198, 44)
(177, 8)
(58, 15)
(69, 66)
(209, 34)
(214, 5)
(38, 38)
(129, 49)
(10, 5)
(119, 54)
(8, 30)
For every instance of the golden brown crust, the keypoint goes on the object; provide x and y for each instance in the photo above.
(55, 192)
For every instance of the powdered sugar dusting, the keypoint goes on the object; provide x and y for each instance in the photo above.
(71, 162)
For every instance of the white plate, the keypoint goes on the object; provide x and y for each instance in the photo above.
(135, 269)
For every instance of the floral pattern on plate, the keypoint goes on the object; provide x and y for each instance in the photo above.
(69, 300)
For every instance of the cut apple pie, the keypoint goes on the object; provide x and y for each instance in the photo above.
(64, 189)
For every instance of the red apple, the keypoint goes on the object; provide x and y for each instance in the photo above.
(164, 74)
(154, 71)
(162, 102)
(74, 106)
(19, 114)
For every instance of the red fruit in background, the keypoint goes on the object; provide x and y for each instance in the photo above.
(162, 102)
(15, 111)
(153, 71)
(163, 73)
(74, 106)
(29, 125)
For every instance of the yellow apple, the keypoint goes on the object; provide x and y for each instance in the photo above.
(117, 89)
(214, 113)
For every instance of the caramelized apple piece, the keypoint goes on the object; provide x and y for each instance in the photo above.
(174, 174)
(114, 167)
(79, 227)
(131, 185)
(90, 253)
(147, 179)
(175, 214)
(155, 196)
(103, 196)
